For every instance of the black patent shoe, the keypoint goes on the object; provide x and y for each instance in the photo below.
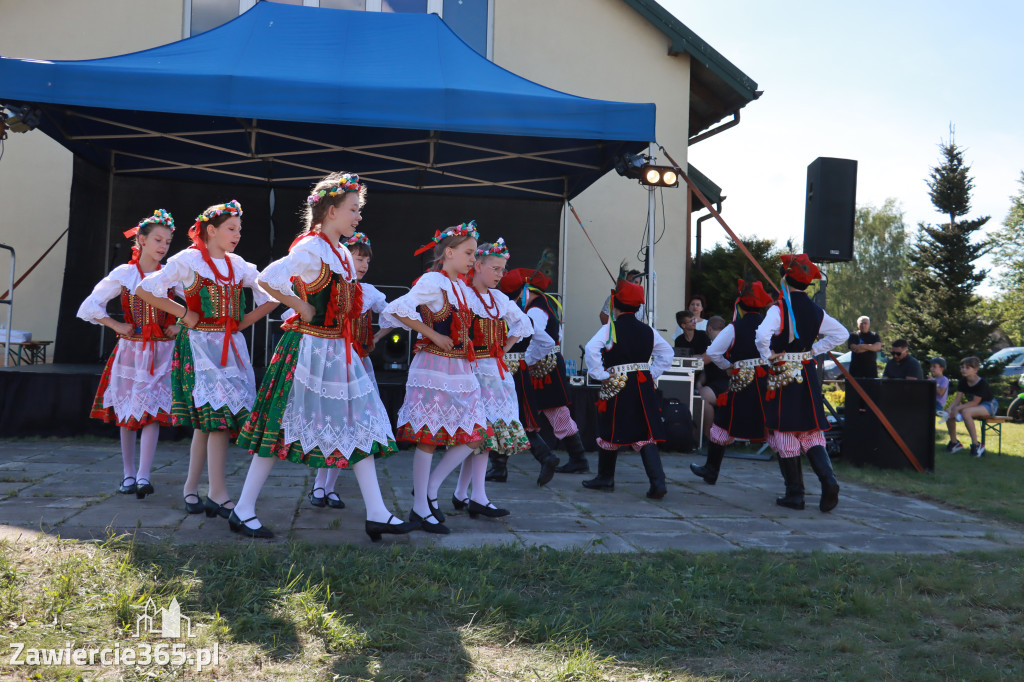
(214, 509)
(375, 528)
(598, 483)
(791, 501)
(335, 502)
(459, 504)
(143, 489)
(317, 501)
(432, 504)
(437, 528)
(237, 526)
(194, 507)
(488, 510)
(128, 488)
(657, 491)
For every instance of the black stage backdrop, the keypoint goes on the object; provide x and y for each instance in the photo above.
(397, 224)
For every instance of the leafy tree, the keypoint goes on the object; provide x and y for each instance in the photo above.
(936, 308)
(1007, 309)
(724, 264)
(868, 284)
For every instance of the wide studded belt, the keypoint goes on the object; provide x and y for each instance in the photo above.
(634, 367)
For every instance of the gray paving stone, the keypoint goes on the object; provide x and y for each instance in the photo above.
(68, 488)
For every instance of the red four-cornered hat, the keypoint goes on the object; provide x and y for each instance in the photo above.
(800, 268)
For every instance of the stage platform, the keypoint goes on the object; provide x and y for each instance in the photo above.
(55, 400)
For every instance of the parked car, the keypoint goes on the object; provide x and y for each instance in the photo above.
(1011, 358)
(830, 372)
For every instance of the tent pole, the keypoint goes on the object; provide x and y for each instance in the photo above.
(563, 258)
(106, 243)
(652, 277)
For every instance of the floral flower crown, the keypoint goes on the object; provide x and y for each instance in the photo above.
(160, 216)
(232, 208)
(461, 230)
(498, 248)
(349, 182)
(357, 238)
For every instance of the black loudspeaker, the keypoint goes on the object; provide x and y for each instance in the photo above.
(909, 406)
(830, 210)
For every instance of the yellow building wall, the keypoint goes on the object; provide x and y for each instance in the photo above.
(604, 49)
(35, 171)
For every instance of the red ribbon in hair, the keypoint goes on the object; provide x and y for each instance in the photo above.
(429, 245)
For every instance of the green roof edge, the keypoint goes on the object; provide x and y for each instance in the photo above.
(686, 41)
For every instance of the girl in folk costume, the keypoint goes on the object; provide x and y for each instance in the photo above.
(135, 389)
(211, 377)
(317, 406)
(497, 324)
(363, 341)
(739, 413)
(443, 404)
(541, 384)
(793, 410)
(620, 356)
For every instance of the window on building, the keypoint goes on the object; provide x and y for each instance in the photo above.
(468, 18)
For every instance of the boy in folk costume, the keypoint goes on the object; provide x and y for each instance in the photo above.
(212, 380)
(794, 415)
(539, 372)
(627, 355)
(738, 413)
(135, 389)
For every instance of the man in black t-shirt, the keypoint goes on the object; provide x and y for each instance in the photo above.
(865, 345)
(903, 365)
(692, 342)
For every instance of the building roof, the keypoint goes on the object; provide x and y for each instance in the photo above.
(717, 87)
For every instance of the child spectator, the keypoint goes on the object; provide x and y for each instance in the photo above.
(937, 366)
(973, 399)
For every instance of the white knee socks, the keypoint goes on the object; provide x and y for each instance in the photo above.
(147, 449)
(479, 463)
(366, 476)
(451, 459)
(127, 453)
(259, 471)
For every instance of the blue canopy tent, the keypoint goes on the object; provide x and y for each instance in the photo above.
(284, 94)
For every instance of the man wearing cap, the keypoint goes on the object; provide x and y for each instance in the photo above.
(864, 344)
(738, 413)
(620, 356)
(541, 383)
(794, 415)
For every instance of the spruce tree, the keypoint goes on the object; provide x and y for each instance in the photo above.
(937, 310)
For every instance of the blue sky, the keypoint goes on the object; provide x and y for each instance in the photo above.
(879, 82)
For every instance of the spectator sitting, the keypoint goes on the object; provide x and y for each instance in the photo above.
(697, 305)
(692, 342)
(865, 345)
(903, 365)
(679, 325)
(937, 367)
(973, 399)
(633, 277)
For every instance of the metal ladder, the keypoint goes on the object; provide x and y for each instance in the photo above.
(10, 308)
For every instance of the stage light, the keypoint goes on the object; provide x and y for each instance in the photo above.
(659, 176)
(395, 353)
(19, 119)
(631, 166)
(639, 167)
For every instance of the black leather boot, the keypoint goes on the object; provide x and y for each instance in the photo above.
(542, 453)
(605, 479)
(497, 471)
(709, 472)
(793, 475)
(577, 463)
(651, 458)
(822, 466)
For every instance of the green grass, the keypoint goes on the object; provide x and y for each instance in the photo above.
(989, 485)
(303, 612)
